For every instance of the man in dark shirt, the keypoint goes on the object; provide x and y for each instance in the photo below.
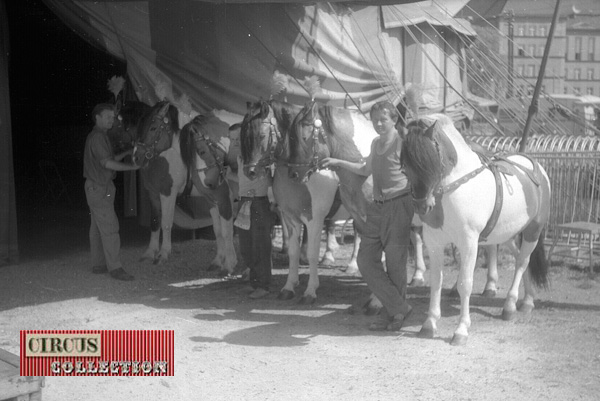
(99, 168)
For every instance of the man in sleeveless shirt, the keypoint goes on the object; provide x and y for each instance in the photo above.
(99, 168)
(388, 219)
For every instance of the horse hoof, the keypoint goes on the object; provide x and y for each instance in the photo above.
(146, 258)
(327, 262)
(352, 271)
(285, 295)
(307, 300)
(489, 293)
(459, 339)
(508, 315)
(526, 308)
(417, 282)
(213, 267)
(426, 333)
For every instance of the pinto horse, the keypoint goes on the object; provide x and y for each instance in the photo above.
(264, 138)
(169, 165)
(469, 199)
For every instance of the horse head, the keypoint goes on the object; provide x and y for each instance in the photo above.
(259, 138)
(155, 132)
(427, 157)
(123, 133)
(196, 140)
(307, 143)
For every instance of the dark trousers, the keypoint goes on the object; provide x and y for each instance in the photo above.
(255, 243)
(387, 230)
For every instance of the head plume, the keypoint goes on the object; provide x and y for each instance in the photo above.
(312, 86)
(279, 83)
(115, 85)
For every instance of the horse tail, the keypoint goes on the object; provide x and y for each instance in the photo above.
(538, 264)
(187, 149)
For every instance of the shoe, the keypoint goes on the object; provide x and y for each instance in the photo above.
(258, 293)
(381, 322)
(121, 274)
(99, 269)
(398, 320)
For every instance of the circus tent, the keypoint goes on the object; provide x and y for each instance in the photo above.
(205, 55)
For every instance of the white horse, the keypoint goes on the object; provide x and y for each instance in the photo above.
(467, 199)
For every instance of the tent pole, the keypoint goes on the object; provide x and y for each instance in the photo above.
(533, 107)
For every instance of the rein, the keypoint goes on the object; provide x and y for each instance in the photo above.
(150, 151)
(214, 151)
(314, 164)
(274, 137)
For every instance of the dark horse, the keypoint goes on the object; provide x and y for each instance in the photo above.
(264, 143)
(168, 160)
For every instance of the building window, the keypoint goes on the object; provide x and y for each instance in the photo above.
(540, 52)
(577, 74)
(565, 90)
(577, 91)
(531, 50)
(520, 70)
(590, 91)
(520, 30)
(591, 49)
(530, 71)
(566, 73)
(590, 74)
(521, 51)
(531, 31)
(542, 30)
(578, 49)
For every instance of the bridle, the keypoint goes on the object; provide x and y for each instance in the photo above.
(213, 148)
(314, 164)
(150, 149)
(269, 158)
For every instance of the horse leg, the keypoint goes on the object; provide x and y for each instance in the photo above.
(331, 245)
(226, 259)
(294, 228)
(521, 262)
(352, 267)
(167, 205)
(468, 255)
(314, 228)
(304, 246)
(418, 279)
(155, 219)
(436, 262)
(285, 235)
(491, 289)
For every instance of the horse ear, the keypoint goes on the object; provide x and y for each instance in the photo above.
(430, 130)
(164, 109)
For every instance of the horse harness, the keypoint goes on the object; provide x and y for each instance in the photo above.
(497, 164)
(274, 136)
(214, 149)
(314, 164)
(150, 149)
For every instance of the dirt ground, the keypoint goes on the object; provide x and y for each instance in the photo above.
(228, 347)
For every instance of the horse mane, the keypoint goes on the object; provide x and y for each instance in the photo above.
(132, 113)
(420, 153)
(339, 141)
(186, 144)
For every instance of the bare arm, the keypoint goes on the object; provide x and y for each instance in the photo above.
(120, 156)
(360, 168)
(112, 164)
